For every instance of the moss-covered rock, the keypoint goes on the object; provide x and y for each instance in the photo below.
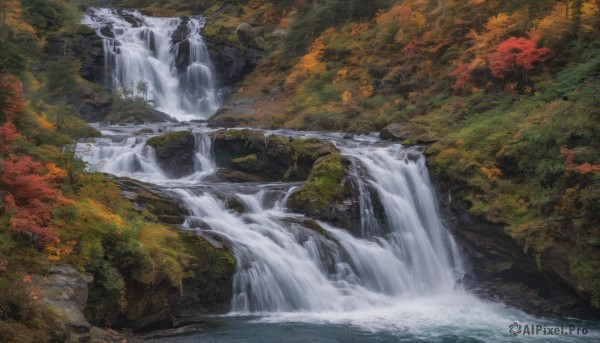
(328, 194)
(201, 281)
(175, 152)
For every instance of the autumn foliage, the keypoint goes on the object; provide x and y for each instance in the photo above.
(27, 188)
(11, 105)
(514, 54)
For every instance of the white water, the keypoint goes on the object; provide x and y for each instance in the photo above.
(398, 275)
(147, 52)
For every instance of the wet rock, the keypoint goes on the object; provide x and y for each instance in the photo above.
(175, 152)
(270, 158)
(148, 197)
(236, 176)
(499, 269)
(182, 31)
(130, 112)
(329, 194)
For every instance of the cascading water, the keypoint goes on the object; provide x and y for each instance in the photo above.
(397, 275)
(169, 54)
(283, 266)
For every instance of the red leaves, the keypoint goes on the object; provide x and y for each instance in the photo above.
(462, 75)
(516, 53)
(8, 134)
(30, 199)
(11, 104)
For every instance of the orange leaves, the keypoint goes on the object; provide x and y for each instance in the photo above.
(491, 171)
(582, 169)
(587, 168)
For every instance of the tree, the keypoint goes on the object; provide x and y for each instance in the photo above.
(142, 88)
(516, 53)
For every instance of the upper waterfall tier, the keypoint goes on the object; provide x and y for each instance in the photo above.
(168, 53)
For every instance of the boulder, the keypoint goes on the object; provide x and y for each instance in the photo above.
(247, 32)
(148, 197)
(175, 152)
(270, 158)
(398, 132)
(393, 132)
(329, 194)
(65, 291)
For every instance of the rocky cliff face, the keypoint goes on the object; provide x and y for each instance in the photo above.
(498, 268)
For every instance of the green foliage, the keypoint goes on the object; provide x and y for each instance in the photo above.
(318, 15)
(23, 319)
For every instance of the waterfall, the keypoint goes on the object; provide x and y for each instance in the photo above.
(169, 54)
(402, 252)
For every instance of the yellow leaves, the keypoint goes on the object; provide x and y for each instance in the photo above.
(309, 64)
(45, 124)
(12, 15)
(555, 24)
(93, 211)
(55, 253)
(54, 172)
(346, 97)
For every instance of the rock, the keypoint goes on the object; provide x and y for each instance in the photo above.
(148, 197)
(247, 32)
(392, 132)
(499, 269)
(182, 31)
(328, 193)
(175, 152)
(93, 102)
(397, 132)
(235, 176)
(133, 113)
(65, 292)
(272, 158)
(279, 33)
(233, 62)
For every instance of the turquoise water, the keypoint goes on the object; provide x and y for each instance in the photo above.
(461, 318)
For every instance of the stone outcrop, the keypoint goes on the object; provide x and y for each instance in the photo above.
(397, 132)
(268, 158)
(175, 152)
(328, 192)
(151, 198)
(500, 270)
(65, 291)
